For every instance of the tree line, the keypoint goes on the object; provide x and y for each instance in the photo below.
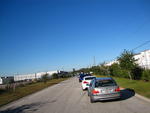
(126, 68)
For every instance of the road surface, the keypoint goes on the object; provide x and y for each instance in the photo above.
(68, 97)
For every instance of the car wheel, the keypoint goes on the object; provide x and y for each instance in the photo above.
(92, 100)
(119, 98)
(88, 93)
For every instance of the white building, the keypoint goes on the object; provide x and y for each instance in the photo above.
(24, 77)
(32, 76)
(143, 59)
(39, 75)
(52, 72)
(110, 63)
(1, 80)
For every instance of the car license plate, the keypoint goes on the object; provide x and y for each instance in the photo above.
(103, 91)
(109, 90)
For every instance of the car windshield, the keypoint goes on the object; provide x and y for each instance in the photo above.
(83, 75)
(90, 78)
(88, 75)
(103, 83)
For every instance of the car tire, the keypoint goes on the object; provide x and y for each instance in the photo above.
(118, 99)
(92, 100)
(88, 93)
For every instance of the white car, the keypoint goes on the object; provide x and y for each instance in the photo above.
(86, 81)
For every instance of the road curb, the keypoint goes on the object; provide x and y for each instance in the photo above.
(138, 95)
(142, 97)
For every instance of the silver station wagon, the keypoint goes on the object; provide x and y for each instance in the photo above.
(103, 89)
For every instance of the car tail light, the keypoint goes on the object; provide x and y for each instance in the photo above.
(85, 82)
(117, 89)
(95, 91)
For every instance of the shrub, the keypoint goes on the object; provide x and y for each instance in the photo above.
(55, 76)
(146, 75)
(45, 78)
(137, 73)
(115, 70)
(124, 73)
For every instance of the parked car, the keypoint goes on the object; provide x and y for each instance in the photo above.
(86, 81)
(103, 89)
(81, 76)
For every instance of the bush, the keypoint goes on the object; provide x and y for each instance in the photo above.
(146, 75)
(137, 73)
(45, 78)
(55, 76)
(99, 70)
(115, 70)
(124, 73)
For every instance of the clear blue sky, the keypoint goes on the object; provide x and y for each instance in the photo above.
(41, 35)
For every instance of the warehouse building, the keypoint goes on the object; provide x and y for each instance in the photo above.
(6, 80)
(32, 76)
(143, 59)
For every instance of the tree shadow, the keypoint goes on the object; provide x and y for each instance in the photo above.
(23, 108)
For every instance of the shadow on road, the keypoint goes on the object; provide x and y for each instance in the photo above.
(125, 94)
(21, 109)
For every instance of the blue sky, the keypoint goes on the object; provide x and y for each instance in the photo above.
(41, 35)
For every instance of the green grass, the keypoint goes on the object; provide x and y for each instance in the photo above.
(9, 96)
(140, 87)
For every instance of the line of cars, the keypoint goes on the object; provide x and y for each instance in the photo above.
(99, 88)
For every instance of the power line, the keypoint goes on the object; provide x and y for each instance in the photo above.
(141, 45)
(137, 30)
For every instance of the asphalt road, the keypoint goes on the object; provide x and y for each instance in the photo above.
(68, 97)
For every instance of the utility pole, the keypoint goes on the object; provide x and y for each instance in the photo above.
(146, 61)
(94, 62)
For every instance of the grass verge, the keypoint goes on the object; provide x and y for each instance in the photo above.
(140, 87)
(9, 96)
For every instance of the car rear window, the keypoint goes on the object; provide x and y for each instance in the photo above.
(103, 83)
(90, 78)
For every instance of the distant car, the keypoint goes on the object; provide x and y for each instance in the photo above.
(103, 89)
(81, 76)
(86, 81)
